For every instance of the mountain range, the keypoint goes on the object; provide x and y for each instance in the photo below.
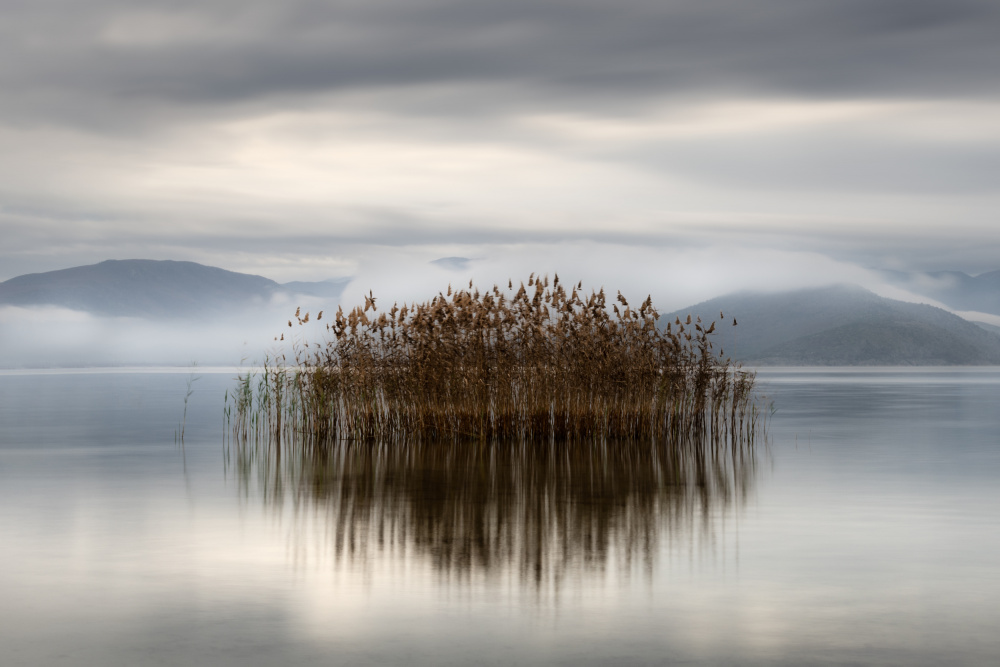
(155, 289)
(842, 325)
(836, 325)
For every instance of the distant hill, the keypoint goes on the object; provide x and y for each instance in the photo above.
(955, 289)
(153, 289)
(842, 325)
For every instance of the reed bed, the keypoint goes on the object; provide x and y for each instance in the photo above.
(540, 362)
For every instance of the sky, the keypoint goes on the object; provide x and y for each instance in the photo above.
(306, 140)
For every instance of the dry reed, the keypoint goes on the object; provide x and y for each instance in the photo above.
(542, 362)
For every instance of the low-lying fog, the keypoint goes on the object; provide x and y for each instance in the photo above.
(55, 337)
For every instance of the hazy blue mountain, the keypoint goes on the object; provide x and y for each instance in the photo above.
(842, 325)
(955, 289)
(834, 325)
(153, 289)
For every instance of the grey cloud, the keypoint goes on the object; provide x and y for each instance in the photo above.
(828, 162)
(112, 68)
(538, 54)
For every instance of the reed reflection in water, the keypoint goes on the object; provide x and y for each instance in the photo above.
(532, 512)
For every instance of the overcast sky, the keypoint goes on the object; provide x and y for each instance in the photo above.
(305, 139)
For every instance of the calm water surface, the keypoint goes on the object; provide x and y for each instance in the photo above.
(864, 532)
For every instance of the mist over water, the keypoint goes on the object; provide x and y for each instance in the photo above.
(48, 336)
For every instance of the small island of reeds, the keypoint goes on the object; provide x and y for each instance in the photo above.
(536, 362)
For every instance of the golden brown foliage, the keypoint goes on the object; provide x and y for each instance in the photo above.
(540, 363)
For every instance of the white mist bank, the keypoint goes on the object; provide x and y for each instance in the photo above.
(676, 278)
(51, 337)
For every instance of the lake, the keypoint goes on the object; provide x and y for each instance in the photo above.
(865, 530)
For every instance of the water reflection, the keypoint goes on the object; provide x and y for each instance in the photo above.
(534, 513)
